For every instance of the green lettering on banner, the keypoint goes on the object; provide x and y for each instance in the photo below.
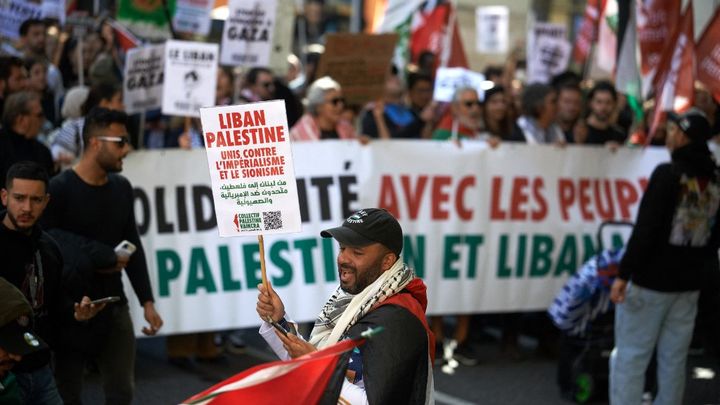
(306, 247)
(567, 260)
(474, 242)
(617, 241)
(199, 274)
(252, 264)
(331, 271)
(414, 255)
(168, 265)
(540, 261)
(520, 258)
(287, 272)
(450, 257)
(503, 271)
(226, 271)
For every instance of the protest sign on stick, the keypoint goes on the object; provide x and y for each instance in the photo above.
(191, 67)
(143, 78)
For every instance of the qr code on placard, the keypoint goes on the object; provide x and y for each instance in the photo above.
(272, 220)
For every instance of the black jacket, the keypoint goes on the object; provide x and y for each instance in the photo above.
(674, 245)
(17, 251)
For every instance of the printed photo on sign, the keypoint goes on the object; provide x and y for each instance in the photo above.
(251, 168)
(248, 32)
(447, 80)
(191, 67)
(491, 27)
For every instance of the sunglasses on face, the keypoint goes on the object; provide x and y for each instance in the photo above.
(471, 103)
(336, 101)
(120, 140)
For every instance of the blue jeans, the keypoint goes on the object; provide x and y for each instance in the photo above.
(38, 387)
(647, 319)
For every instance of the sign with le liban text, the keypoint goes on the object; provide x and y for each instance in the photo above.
(248, 33)
(143, 78)
(251, 168)
(191, 67)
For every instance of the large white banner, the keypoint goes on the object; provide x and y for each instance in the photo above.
(251, 168)
(487, 229)
(143, 78)
(248, 33)
(191, 68)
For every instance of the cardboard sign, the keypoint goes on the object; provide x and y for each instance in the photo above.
(143, 84)
(447, 80)
(193, 16)
(12, 15)
(360, 63)
(191, 67)
(248, 33)
(548, 52)
(491, 29)
(251, 168)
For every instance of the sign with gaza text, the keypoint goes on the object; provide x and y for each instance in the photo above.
(251, 168)
(12, 15)
(143, 83)
(248, 33)
(191, 68)
(488, 230)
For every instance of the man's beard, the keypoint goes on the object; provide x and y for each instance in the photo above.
(362, 280)
(18, 228)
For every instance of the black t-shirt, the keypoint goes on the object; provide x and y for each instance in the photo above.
(600, 136)
(331, 134)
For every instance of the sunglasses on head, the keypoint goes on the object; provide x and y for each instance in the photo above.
(336, 100)
(120, 140)
(470, 103)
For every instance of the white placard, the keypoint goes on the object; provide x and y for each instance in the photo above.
(12, 15)
(447, 80)
(54, 9)
(193, 16)
(191, 70)
(143, 83)
(492, 29)
(251, 168)
(549, 57)
(248, 33)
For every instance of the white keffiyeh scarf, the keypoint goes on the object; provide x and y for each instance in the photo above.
(343, 310)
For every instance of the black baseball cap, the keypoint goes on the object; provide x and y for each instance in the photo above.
(368, 226)
(16, 335)
(693, 123)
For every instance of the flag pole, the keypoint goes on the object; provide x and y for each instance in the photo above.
(263, 272)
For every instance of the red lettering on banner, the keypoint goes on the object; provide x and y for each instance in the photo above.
(496, 212)
(566, 196)
(605, 209)
(541, 212)
(413, 199)
(519, 198)
(643, 183)
(463, 212)
(440, 196)
(388, 198)
(626, 196)
(584, 186)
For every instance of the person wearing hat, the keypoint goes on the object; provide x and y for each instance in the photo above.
(17, 339)
(670, 255)
(376, 289)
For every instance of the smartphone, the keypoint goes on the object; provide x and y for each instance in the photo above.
(279, 327)
(106, 300)
(126, 248)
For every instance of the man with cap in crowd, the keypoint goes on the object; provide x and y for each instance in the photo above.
(16, 340)
(376, 289)
(33, 263)
(671, 254)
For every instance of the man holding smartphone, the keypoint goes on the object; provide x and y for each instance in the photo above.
(376, 290)
(90, 213)
(33, 263)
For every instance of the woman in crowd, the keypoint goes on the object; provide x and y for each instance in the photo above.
(323, 119)
(498, 122)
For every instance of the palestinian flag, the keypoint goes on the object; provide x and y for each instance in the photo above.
(315, 378)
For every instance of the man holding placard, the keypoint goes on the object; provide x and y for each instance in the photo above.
(376, 290)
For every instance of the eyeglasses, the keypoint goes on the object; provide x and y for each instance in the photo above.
(336, 100)
(120, 140)
(471, 103)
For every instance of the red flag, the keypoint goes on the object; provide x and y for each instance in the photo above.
(123, 36)
(707, 54)
(656, 20)
(305, 380)
(587, 34)
(428, 33)
(674, 77)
